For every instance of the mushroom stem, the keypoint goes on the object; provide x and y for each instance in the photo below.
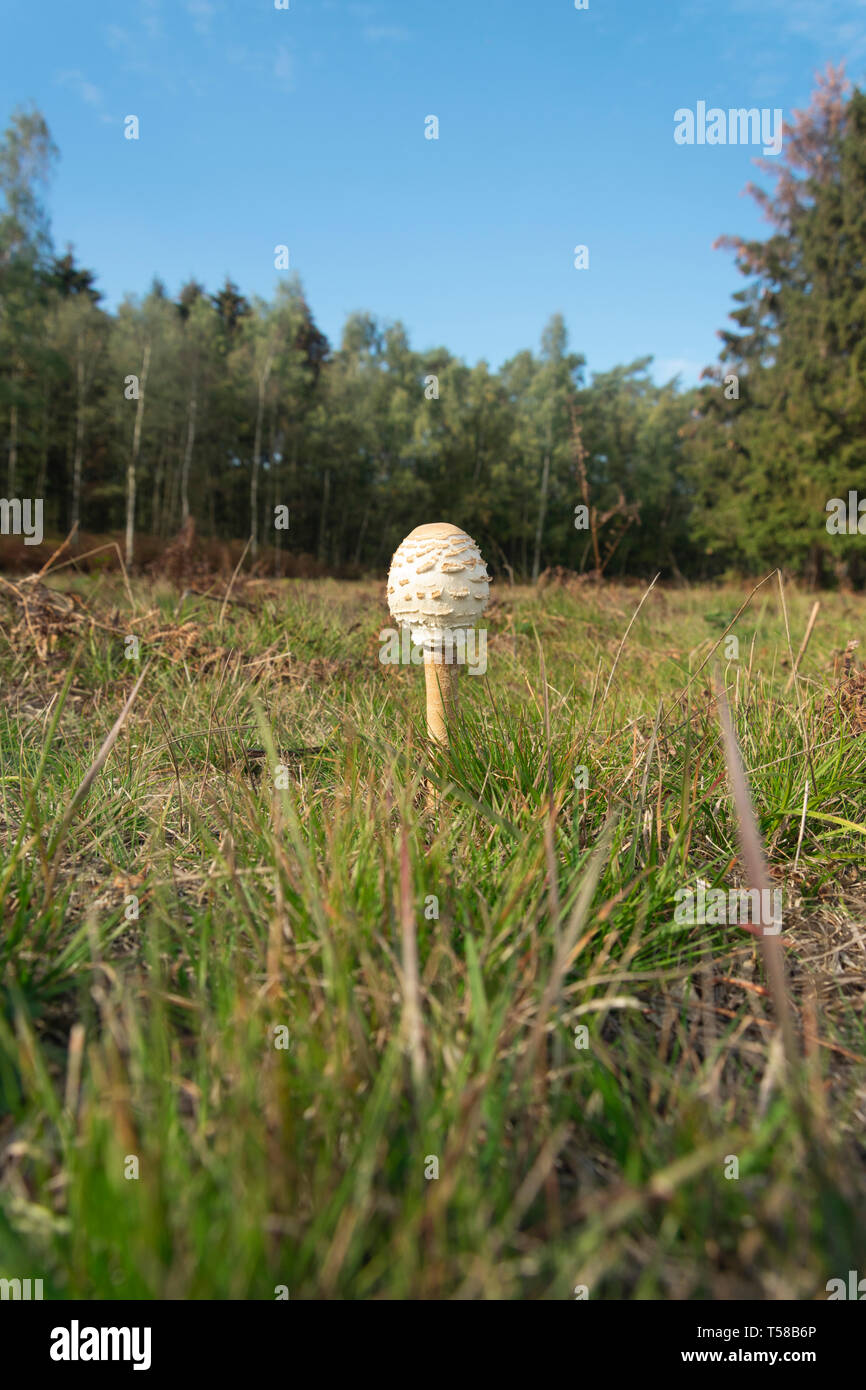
(439, 679)
(438, 586)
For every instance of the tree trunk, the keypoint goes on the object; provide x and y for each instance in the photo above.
(277, 446)
(842, 571)
(13, 449)
(476, 473)
(172, 498)
(542, 508)
(257, 459)
(166, 504)
(78, 452)
(326, 488)
(133, 460)
(157, 493)
(362, 531)
(42, 472)
(254, 479)
(187, 459)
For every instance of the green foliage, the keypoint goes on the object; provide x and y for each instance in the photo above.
(766, 464)
(247, 408)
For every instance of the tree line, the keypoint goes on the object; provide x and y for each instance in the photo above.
(237, 413)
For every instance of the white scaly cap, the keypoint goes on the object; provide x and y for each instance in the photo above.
(437, 583)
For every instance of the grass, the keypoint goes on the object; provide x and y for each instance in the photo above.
(255, 992)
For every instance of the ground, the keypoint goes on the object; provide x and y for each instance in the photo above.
(292, 1001)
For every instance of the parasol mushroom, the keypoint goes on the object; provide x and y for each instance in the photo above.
(438, 586)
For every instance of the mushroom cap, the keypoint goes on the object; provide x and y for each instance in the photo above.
(438, 581)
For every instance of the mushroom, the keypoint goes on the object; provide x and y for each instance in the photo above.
(437, 585)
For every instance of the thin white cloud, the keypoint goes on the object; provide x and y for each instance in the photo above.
(202, 13)
(151, 17)
(835, 25)
(385, 33)
(374, 30)
(138, 35)
(78, 83)
(130, 46)
(284, 68)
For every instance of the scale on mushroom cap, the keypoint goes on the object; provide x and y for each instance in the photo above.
(438, 586)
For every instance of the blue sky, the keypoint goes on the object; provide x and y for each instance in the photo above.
(305, 127)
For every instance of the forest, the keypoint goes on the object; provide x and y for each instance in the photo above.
(235, 415)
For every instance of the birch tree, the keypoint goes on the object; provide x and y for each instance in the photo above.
(81, 334)
(27, 154)
(266, 352)
(198, 358)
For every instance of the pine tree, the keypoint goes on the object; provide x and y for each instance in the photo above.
(788, 434)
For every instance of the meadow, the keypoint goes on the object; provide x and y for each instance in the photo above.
(276, 1021)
